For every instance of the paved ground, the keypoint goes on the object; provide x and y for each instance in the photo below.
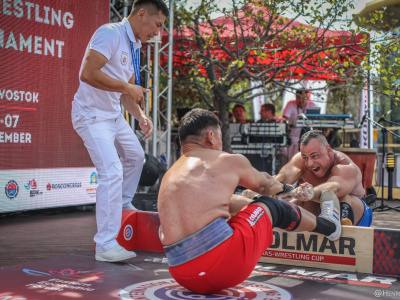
(48, 254)
(388, 218)
(80, 276)
(30, 236)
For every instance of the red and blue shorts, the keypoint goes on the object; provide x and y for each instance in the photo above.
(222, 254)
(366, 219)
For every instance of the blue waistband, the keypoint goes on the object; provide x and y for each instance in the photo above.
(366, 219)
(198, 243)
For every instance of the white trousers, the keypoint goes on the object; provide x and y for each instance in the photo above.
(118, 157)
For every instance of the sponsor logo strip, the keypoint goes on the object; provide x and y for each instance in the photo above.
(321, 258)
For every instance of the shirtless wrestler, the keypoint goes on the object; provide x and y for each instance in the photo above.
(317, 167)
(207, 248)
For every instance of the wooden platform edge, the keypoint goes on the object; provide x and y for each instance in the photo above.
(352, 252)
(360, 249)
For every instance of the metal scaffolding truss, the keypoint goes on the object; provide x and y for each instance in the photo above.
(157, 61)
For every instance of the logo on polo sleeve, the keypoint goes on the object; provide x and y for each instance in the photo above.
(124, 58)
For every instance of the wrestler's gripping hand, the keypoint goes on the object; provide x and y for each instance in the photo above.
(304, 192)
(287, 191)
(249, 194)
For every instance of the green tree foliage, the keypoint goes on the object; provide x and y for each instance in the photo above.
(384, 60)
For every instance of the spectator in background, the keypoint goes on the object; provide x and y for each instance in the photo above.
(291, 113)
(268, 114)
(240, 114)
(230, 116)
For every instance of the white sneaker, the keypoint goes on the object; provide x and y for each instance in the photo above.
(130, 207)
(330, 210)
(114, 254)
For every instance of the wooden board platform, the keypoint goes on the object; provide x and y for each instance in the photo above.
(352, 252)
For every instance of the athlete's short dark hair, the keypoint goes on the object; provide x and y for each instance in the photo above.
(195, 122)
(313, 134)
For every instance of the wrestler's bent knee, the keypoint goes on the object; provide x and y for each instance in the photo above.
(285, 215)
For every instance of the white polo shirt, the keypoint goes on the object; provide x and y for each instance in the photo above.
(292, 112)
(113, 41)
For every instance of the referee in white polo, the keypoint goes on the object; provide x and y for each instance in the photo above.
(110, 75)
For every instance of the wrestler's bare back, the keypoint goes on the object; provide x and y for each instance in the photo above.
(195, 191)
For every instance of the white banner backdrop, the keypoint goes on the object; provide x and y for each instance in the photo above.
(257, 101)
(43, 188)
(366, 131)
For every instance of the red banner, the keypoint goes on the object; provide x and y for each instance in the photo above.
(42, 44)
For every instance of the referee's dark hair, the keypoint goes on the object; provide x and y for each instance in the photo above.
(152, 6)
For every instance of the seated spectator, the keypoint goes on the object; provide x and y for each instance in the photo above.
(291, 113)
(268, 114)
(230, 117)
(240, 114)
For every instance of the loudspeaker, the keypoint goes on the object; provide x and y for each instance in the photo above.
(150, 171)
(396, 172)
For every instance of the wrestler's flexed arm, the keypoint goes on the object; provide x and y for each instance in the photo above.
(249, 177)
(289, 174)
(292, 171)
(343, 181)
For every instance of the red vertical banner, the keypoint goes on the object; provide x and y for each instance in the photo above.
(42, 44)
(43, 162)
